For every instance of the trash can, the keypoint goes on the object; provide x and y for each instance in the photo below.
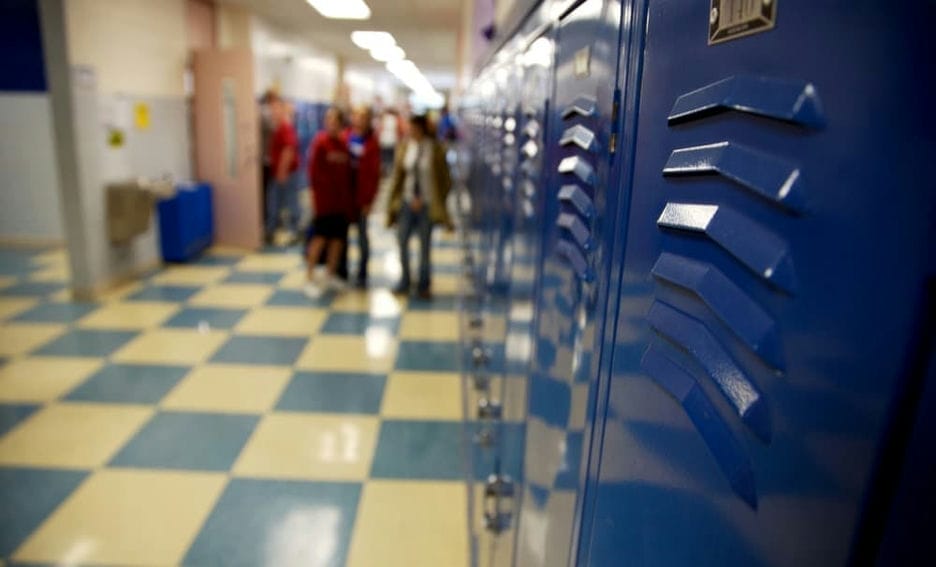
(186, 222)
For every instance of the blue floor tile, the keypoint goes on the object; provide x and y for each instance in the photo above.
(255, 277)
(183, 440)
(333, 393)
(34, 289)
(427, 356)
(339, 323)
(174, 293)
(12, 414)
(83, 342)
(295, 298)
(261, 350)
(129, 383)
(56, 312)
(28, 497)
(419, 450)
(262, 522)
(446, 268)
(211, 260)
(437, 303)
(194, 317)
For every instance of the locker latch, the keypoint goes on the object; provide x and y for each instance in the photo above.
(497, 490)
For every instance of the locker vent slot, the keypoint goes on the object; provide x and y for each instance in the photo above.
(718, 438)
(762, 251)
(579, 168)
(694, 337)
(580, 136)
(577, 229)
(576, 259)
(584, 106)
(733, 307)
(780, 99)
(579, 199)
(769, 177)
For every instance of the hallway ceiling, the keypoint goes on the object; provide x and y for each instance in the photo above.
(425, 29)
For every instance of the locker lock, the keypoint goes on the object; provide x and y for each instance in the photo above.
(475, 322)
(485, 438)
(496, 522)
(479, 356)
(489, 409)
(497, 488)
(482, 382)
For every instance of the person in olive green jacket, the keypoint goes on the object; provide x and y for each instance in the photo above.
(421, 184)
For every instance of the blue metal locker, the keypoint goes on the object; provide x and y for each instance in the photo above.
(577, 222)
(773, 264)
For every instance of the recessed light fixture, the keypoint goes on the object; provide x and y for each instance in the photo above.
(342, 9)
(372, 39)
(388, 53)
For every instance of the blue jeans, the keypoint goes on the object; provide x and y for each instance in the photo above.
(364, 245)
(410, 222)
(280, 196)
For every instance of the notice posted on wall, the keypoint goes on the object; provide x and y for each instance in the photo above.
(141, 116)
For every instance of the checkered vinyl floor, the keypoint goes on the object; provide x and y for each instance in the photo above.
(210, 414)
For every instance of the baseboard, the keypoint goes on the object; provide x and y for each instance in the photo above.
(30, 242)
(94, 293)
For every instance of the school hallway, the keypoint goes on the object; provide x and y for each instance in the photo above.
(211, 414)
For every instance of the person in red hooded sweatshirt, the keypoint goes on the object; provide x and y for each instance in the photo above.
(365, 168)
(330, 177)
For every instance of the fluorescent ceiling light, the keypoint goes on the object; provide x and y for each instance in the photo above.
(372, 39)
(389, 53)
(342, 9)
(410, 75)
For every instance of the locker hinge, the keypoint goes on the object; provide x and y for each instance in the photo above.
(615, 108)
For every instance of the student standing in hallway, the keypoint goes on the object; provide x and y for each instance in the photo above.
(330, 176)
(421, 183)
(283, 154)
(365, 168)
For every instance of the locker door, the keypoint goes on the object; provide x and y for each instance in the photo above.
(573, 280)
(778, 241)
(497, 434)
(500, 400)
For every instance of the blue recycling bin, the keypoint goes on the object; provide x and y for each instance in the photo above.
(186, 222)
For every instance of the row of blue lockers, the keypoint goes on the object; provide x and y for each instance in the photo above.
(700, 269)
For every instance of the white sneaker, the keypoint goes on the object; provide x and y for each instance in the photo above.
(312, 291)
(335, 283)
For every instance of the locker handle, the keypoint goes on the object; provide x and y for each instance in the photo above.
(794, 101)
(760, 250)
(768, 177)
(695, 338)
(489, 409)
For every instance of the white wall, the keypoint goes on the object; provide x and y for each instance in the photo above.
(292, 64)
(135, 46)
(133, 52)
(30, 208)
